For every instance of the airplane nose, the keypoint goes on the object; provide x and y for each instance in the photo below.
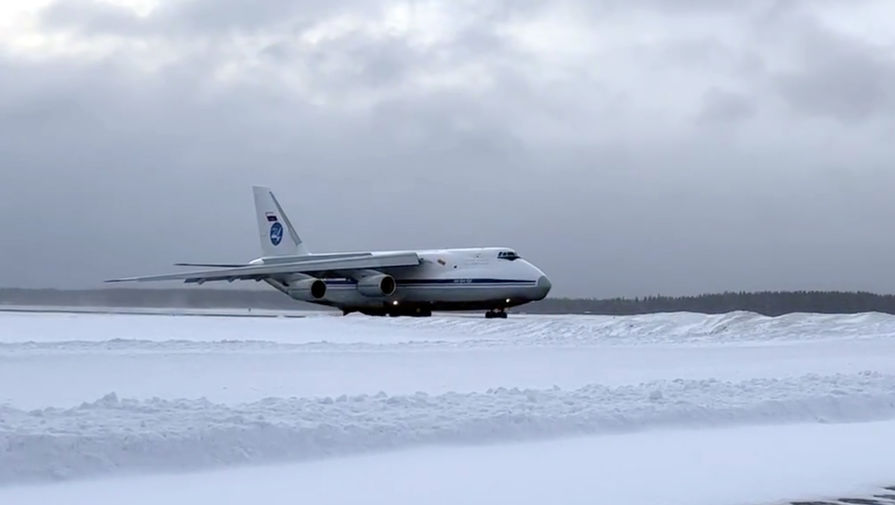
(544, 286)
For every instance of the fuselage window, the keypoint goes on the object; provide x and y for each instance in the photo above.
(507, 255)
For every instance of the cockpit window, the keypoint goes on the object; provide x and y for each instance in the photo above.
(508, 255)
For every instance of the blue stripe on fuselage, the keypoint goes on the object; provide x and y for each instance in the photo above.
(443, 282)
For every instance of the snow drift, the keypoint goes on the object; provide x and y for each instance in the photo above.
(37, 332)
(114, 435)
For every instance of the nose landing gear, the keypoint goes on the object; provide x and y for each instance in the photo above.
(496, 313)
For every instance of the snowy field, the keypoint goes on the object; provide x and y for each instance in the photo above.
(667, 408)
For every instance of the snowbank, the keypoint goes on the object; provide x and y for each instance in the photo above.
(119, 435)
(746, 465)
(69, 332)
(667, 328)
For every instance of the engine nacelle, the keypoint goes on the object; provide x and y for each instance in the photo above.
(377, 285)
(307, 289)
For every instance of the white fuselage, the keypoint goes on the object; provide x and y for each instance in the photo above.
(446, 279)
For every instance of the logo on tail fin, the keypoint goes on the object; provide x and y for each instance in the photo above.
(276, 233)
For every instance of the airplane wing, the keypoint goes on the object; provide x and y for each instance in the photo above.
(305, 266)
(215, 265)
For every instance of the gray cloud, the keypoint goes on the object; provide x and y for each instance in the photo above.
(721, 106)
(191, 17)
(93, 17)
(589, 163)
(840, 77)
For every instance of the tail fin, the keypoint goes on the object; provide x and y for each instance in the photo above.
(278, 237)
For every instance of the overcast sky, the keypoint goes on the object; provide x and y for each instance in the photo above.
(628, 147)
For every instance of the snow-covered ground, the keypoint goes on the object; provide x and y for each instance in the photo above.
(747, 465)
(533, 408)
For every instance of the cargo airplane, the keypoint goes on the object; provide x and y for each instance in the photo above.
(393, 283)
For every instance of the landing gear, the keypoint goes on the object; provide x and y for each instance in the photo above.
(496, 313)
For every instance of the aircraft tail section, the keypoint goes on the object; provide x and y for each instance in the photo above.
(278, 236)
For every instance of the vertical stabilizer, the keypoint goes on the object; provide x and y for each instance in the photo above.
(278, 237)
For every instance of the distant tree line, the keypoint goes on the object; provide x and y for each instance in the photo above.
(771, 303)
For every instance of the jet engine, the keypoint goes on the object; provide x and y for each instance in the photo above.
(309, 289)
(377, 285)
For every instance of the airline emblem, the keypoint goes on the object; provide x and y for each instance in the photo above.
(276, 233)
